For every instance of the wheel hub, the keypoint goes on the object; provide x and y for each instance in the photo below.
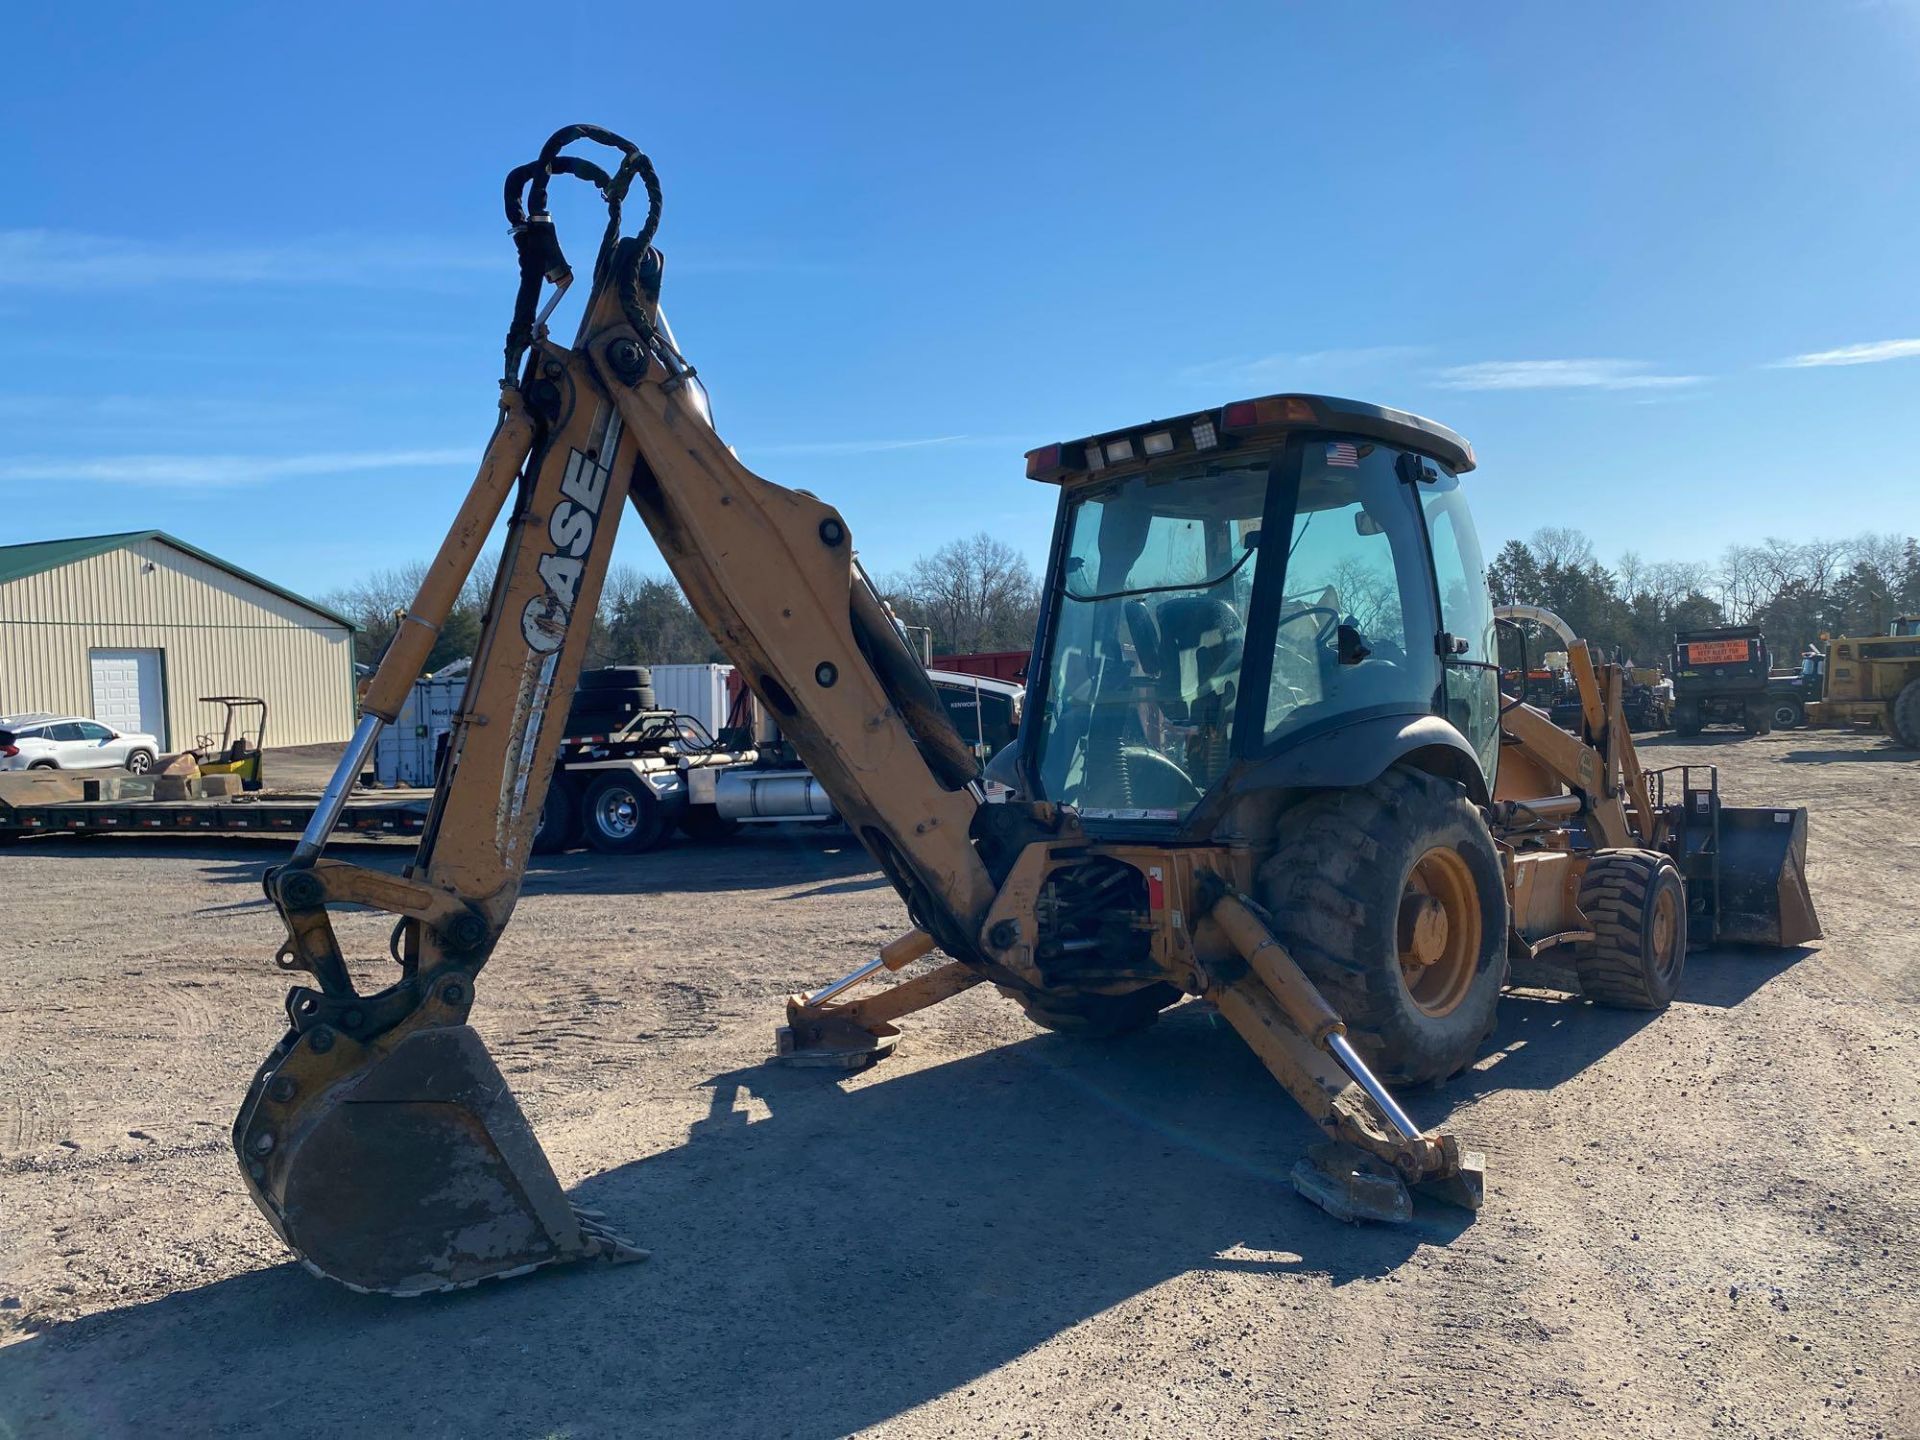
(1423, 928)
(1438, 931)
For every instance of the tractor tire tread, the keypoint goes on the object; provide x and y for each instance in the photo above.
(1614, 968)
(1903, 715)
(1323, 887)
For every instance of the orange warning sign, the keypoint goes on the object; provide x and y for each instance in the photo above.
(1717, 652)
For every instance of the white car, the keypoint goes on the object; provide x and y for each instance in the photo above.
(43, 741)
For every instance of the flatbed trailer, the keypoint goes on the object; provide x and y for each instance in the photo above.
(367, 813)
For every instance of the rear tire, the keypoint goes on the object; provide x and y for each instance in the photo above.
(1757, 718)
(1686, 719)
(622, 817)
(559, 826)
(43, 765)
(706, 824)
(1637, 905)
(1098, 1017)
(1353, 889)
(1903, 715)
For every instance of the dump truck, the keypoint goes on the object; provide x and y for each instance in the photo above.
(1722, 677)
(1265, 762)
(1872, 680)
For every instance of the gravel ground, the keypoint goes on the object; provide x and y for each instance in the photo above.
(1705, 1222)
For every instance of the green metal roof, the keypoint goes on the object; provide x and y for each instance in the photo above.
(19, 561)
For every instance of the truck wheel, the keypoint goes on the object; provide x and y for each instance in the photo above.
(706, 824)
(1686, 718)
(1787, 715)
(559, 825)
(1097, 1017)
(1391, 897)
(1903, 715)
(622, 817)
(1637, 905)
(1757, 717)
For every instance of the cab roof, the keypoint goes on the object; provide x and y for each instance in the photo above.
(1264, 418)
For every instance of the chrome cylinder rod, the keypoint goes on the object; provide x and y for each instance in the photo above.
(1338, 1047)
(847, 982)
(334, 798)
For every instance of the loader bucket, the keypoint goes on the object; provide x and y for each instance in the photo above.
(1763, 897)
(418, 1173)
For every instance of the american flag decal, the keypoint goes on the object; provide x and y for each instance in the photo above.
(1342, 453)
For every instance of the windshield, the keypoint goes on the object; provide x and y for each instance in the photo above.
(1144, 669)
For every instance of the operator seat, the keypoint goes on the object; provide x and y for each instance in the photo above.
(1201, 643)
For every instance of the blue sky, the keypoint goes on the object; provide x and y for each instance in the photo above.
(253, 275)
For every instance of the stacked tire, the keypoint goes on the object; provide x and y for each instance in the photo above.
(608, 698)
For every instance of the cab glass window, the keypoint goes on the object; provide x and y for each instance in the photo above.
(1356, 624)
(1466, 612)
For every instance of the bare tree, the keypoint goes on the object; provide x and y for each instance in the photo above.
(1561, 545)
(975, 594)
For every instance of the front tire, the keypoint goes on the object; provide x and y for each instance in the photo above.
(622, 817)
(1098, 1017)
(139, 762)
(1390, 896)
(1787, 715)
(1903, 715)
(1637, 905)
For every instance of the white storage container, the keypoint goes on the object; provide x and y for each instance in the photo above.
(696, 690)
(409, 749)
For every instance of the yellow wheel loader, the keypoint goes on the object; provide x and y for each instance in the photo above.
(1873, 680)
(1265, 762)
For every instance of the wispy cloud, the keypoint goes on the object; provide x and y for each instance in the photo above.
(217, 472)
(65, 260)
(1869, 354)
(1267, 369)
(1562, 375)
(869, 447)
(69, 260)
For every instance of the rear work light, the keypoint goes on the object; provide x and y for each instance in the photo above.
(1119, 451)
(1158, 443)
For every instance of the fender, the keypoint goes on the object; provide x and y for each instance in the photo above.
(1357, 753)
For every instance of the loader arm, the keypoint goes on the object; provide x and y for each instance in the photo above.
(378, 1137)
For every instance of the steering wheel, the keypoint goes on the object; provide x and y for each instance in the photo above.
(1326, 627)
(1145, 635)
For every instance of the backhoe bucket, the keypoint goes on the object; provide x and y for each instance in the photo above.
(1763, 897)
(415, 1175)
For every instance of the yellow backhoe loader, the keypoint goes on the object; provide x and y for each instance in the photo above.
(1265, 762)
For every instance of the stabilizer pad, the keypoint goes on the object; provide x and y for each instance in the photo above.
(1351, 1185)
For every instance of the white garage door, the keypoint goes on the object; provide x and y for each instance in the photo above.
(127, 691)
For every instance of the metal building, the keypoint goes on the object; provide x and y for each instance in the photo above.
(133, 629)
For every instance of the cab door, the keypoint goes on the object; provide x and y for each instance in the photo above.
(1470, 662)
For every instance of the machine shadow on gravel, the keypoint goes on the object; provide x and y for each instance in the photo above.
(829, 1252)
